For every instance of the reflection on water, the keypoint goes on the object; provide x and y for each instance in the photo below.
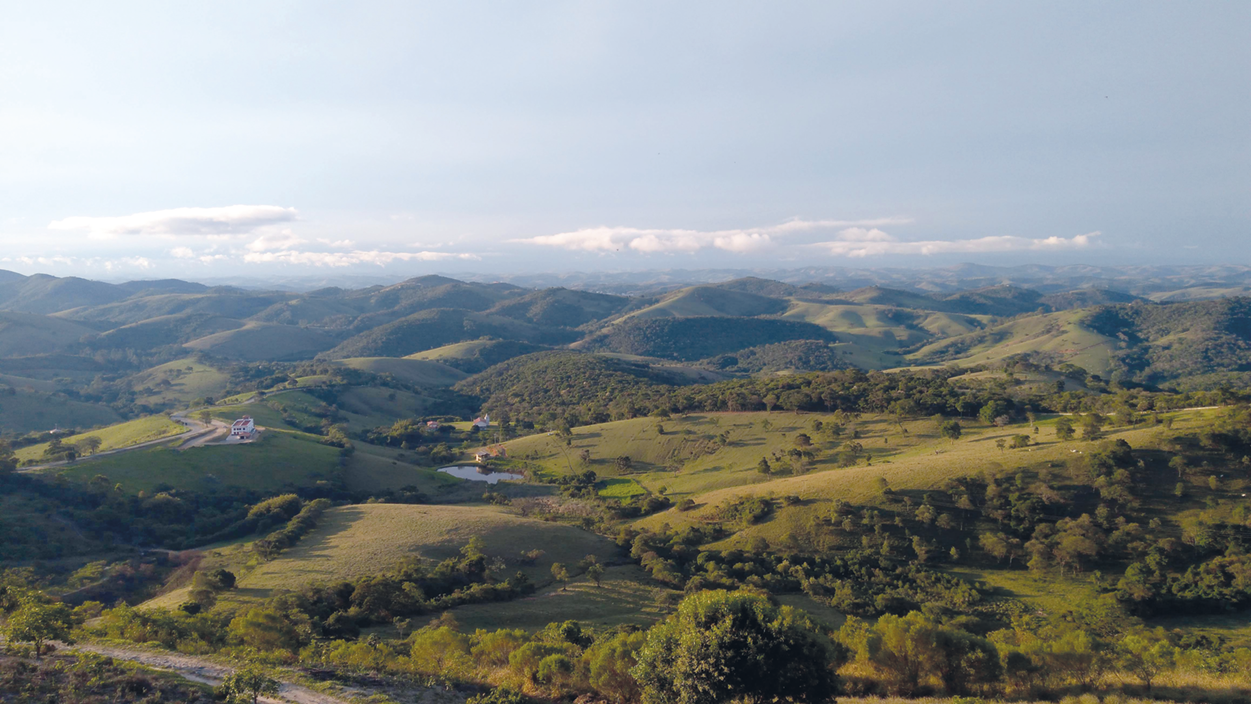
(474, 474)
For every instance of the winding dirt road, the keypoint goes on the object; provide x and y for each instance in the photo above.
(206, 672)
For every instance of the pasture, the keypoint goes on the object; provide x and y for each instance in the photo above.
(113, 437)
(278, 459)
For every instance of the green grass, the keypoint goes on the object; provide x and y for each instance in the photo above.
(26, 411)
(618, 488)
(276, 460)
(113, 437)
(178, 383)
(1060, 334)
(422, 372)
(713, 475)
(257, 342)
(456, 350)
(355, 541)
(373, 468)
(626, 595)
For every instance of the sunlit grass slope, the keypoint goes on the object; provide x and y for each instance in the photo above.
(1060, 334)
(278, 459)
(422, 372)
(178, 382)
(365, 539)
(113, 437)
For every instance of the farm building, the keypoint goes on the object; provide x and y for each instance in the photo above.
(242, 428)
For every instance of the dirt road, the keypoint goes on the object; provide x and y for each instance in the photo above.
(207, 672)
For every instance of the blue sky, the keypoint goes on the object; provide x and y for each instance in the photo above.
(214, 139)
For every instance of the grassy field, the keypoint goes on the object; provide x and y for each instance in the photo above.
(625, 595)
(1060, 334)
(178, 383)
(24, 411)
(256, 342)
(115, 436)
(619, 488)
(373, 468)
(456, 350)
(277, 459)
(422, 372)
(688, 459)
(365, 539)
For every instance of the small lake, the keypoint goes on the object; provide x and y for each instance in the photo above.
(472, 474)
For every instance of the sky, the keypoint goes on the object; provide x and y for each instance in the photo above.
(202, 140)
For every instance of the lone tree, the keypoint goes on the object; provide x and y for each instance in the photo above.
(247, 685)
(36, 621)
(736, 646)
(560, 573)
(1064, 429)
(951, 430)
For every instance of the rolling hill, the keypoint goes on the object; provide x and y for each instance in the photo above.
(477, 355)
(413, 371)
(694, 338)
(435, 328)
(26, 334)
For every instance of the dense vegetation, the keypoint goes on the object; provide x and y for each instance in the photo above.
(692, 339)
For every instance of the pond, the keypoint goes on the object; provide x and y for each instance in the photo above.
(476, 474)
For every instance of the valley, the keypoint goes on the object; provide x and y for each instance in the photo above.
(987, 462)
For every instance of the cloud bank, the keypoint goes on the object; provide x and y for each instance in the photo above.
(337, 259)
(614, 239)
(228, 221)
(862, 242)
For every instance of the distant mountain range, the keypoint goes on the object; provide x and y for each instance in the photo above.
(1157, 325)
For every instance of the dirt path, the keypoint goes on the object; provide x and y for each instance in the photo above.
(206, 672)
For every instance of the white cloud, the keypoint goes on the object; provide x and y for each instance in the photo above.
(612, 239)
(349, 258)
(860, 242)
(231, 220)
(182, 253)
(127, 263)
(275, 240)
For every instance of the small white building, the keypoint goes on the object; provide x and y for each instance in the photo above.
(242, 428)
(482, 423)
(432, 424)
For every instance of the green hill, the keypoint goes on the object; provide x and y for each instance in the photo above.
(703, 301)
(1059, 337)
(277, 460)
(25, 334)
(24, 411)
(256, 342)
(697, 338)
(559, 307)
(46, 294)
(357, 541)
(112, 437)
(435, 328)
(229, 303)
(177, 383)
(163, 330)
(477, 355)
(412, 371)
(802, 355)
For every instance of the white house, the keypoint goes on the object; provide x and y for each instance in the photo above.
(242, 428)
(482, 423)
(432, 424)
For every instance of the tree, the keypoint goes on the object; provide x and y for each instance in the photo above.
(951, 430)
(247, 685)
(1146, 656)
(1064, 429)
(803, 440)
(91, 444)
(1019, 441)
(763, 466)
(264, 629)
(585, 456)
(37, 621)
(610, 661)
(596, 572)
(560, 573)
(736, 646)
